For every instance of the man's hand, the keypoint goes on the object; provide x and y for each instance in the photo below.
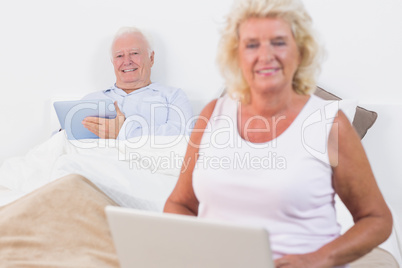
(105, 128)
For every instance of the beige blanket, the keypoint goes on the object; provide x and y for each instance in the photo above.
(60, 225)
(63, 224)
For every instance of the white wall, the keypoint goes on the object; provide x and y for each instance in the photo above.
(363, 39)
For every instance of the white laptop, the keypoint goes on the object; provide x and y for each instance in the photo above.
(150, 239)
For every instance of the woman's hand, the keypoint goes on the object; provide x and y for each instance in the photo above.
(310, 260)
(105, 128)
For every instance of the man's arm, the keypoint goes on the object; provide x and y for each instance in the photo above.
(170, 118)
(180, 119)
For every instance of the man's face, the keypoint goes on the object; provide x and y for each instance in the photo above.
(132, 62)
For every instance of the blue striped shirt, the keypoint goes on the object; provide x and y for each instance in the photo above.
(151, 110)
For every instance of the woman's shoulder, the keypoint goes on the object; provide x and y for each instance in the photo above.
(209, 109)
(330, 108)
(214, 108)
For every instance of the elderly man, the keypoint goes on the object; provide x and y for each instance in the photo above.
(143, 107)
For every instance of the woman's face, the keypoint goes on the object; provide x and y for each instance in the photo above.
(268, 54)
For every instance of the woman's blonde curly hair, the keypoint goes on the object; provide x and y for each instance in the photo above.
(293, 12)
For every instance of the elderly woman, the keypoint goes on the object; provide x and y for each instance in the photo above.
(259, 156)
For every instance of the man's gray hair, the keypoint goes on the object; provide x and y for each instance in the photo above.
(132, 30)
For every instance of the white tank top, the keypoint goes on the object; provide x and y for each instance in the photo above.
(283, 185)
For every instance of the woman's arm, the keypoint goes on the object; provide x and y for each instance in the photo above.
(354, 182)
(183, 200)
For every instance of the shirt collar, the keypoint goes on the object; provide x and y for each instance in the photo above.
(119, 91)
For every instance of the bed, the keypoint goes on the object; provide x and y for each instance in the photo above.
(138, 173)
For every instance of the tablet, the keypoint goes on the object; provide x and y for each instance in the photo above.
(71, 114)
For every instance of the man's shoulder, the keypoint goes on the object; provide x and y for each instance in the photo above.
(164, 88)
(170, 93)
(95, 95)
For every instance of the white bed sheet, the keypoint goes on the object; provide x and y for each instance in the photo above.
(138, 173)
